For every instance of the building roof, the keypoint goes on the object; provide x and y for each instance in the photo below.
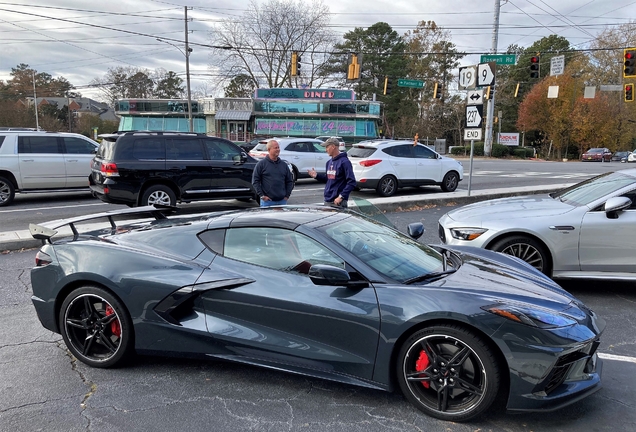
(233, 115)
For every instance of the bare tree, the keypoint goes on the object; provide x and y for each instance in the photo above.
(259, 44)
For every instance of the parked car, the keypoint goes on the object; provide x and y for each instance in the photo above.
(620, 156)
(325, 293)
(145, 168)
(578, 232)
(631, 157)
(247, 146)
(39, 161)
(597, 155)
(386, 165)
(302, 153)
(342, 147)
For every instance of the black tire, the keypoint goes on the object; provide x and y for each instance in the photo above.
(294, 173)
(387, 186)
(448, 372)
(7, 192)
(450, 182)
(96, 327)
(527, 249)
(159, 194)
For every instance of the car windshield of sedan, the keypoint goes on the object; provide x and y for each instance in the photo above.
(593, 189)
(387, 251)
(595, 150)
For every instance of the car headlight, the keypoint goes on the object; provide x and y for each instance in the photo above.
(532, 316)
(467, 233)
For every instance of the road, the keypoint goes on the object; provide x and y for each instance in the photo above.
(43, 388)
(487, 174)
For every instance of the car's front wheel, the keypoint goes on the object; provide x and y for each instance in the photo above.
(527, 249)
(96, 327)
(7, 192)
(448, 372)
(450, 182)
(387, 186)
(159, 194)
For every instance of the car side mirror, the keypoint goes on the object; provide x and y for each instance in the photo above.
(415, 230)
(616, 204)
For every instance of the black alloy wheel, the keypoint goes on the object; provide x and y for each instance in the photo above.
(96, 328)
(7, 192)
(450, 182)
(448, 373)
(387, 186)
(527, 249)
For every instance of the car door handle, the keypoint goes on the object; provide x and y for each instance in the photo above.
(28, 160)
(71, 160)
(562, 228)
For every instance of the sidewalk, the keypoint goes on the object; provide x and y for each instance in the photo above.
(17, 240)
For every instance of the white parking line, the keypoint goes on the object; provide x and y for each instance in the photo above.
(49, 208)
(605, 356)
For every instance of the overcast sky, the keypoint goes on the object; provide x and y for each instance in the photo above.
(80, 40)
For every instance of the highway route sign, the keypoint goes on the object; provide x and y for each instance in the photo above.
(472, 134)
(486, 74)
(467, 77)
(475, 97)
(474, 116)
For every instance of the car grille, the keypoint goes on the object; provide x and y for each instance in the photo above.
(440, 231)
(564, 364)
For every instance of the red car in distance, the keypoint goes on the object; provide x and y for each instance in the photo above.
(597, 155)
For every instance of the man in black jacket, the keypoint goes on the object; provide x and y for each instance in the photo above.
(272, 178)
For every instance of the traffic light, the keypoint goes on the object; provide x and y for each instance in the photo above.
(629, 92)
(388, 85)
(353, 71)
(295, 63)
(438, 91)
(487, 93)
(534, 67)
(517, 90)
(629, 58)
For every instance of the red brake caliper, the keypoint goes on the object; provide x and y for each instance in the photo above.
(114, 326)
(421, 364)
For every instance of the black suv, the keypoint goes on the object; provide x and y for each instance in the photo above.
(145, 168)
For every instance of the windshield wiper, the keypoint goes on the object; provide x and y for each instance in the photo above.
(429, 276)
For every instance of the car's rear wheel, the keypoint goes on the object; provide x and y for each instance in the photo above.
(96, 327)
(159, 194)
(387, 186)
(527, 249)
(7, 192)
(450, 182)
(294, 173)
(448, 372)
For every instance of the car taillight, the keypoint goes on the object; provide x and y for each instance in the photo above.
(42, 259)
(370, 162)
(109, 169)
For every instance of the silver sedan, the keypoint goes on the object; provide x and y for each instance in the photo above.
(584, 231)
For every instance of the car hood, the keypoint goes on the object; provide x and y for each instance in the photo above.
(522, 207)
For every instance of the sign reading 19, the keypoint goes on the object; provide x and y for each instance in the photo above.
(467, 76)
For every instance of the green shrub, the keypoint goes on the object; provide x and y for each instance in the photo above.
(500, 150)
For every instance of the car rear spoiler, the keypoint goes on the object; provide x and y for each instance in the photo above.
(47, 230)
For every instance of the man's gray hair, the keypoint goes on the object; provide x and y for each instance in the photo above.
(270, 143)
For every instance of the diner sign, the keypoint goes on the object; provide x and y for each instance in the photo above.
(313, 94)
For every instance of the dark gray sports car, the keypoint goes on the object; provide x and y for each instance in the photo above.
(321, 292)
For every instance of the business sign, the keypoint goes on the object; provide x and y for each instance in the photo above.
(297, 127)
(509, 139)
(557, 65)
(472, 134)
(500, 59)
(318, 94)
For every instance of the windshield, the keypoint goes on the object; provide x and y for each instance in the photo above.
(595, 150)
(260, 147)
(593, 189)
(389, 252)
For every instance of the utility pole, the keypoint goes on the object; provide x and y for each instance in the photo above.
(490, 111)
(187, 56)
(35, 104)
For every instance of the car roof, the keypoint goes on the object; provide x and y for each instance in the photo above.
(382, 143)
(285, 141)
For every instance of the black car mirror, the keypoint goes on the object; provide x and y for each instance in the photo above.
(415, 230)
(323, 274)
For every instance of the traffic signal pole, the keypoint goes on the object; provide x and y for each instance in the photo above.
(490, 110)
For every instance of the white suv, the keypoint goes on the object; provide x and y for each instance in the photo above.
(302, 153)
(36, 161)
(342, 147)
(386, 165)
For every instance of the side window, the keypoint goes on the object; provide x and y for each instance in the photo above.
(277, 249)
(294, 147)
(1, 141)
(39, 144)
(317, 148)
(78, 146)
(401, 151)
(632, 196)
(222, 150)
(149, 148)
(422, 152)
(184, 149)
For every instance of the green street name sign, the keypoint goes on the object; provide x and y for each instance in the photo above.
(500, 59)
(410, 83)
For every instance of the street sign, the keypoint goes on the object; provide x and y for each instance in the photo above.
(500, 59)
(474, 115)
(557, 65)
(410, 83)
(475, 97)
(486, 74)
(467, 77)
(472, 134)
